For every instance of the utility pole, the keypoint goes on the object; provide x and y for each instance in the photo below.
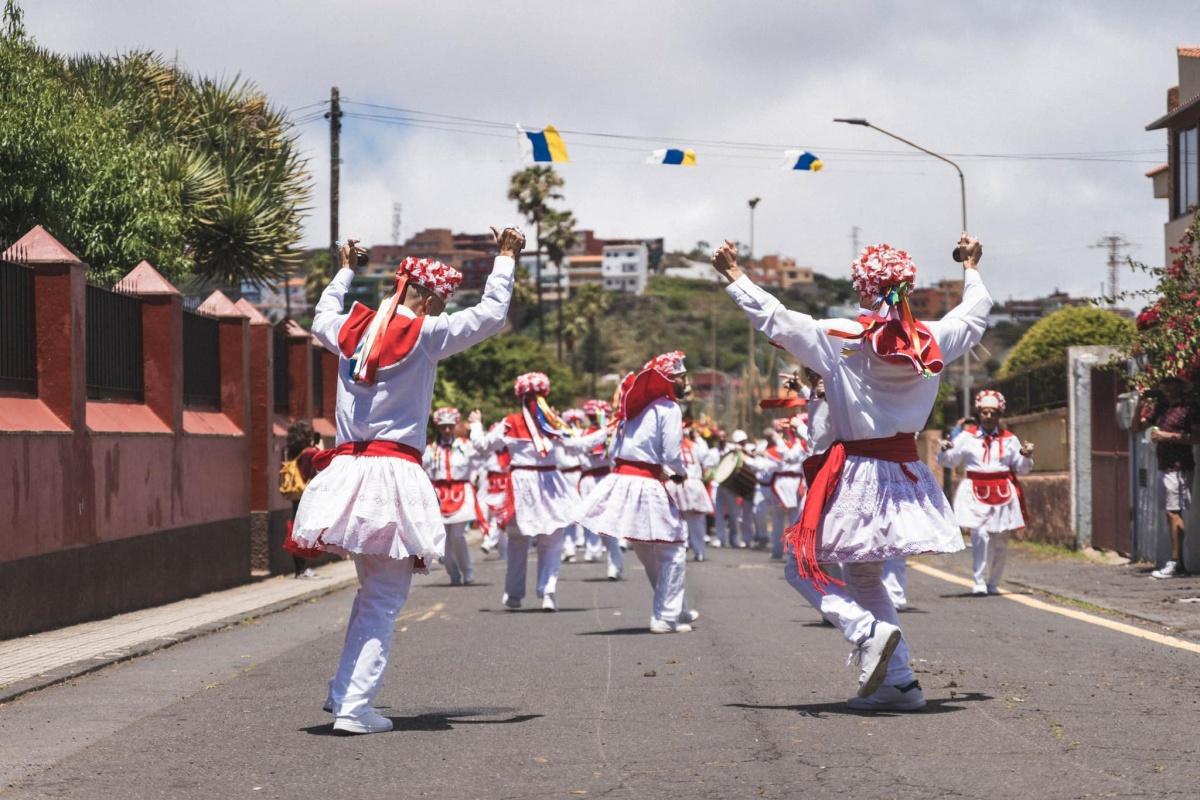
(1114, 243)
(334, 115)
(751, 362)
(854, 231)
(396, 207)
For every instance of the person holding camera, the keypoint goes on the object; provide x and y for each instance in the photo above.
(370, 499)
(870, 497)
(1174, 429)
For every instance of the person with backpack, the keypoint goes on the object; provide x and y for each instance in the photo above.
(294, 474)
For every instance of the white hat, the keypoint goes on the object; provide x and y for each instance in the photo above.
(739, 436)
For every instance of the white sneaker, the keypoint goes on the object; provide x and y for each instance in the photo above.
(548, 603)
(901, 607)
(689, 615)
(485, 548)
(1169, 570)
(980, 590)
(510, 603)
(468, 580)
(891, 698)
(614, 574)
(993, 589)
(715, 543)
(370, 721)
(872, 654)
(662, 626)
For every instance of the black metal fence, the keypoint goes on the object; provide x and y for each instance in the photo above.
(18, 360)
(318, 382)
(282, 373)
(114, 346)
(201, 361)
(1035, 389)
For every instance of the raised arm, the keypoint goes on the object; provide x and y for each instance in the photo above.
(963, 326)
(579, 445)
(1015, 456)
(797, 333)
(952, 456)
(328, 316)
(489, 441)
(446, 334)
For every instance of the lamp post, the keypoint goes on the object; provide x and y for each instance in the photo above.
(962, 188)
(751, 364)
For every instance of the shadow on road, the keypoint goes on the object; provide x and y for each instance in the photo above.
(618, 632)
(435, 721)
(942, 705)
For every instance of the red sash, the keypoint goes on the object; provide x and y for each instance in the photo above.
(375, 447)
(640, 469)
(824, 474)
(997, 488)
(393, 343)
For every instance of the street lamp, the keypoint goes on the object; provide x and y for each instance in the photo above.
(962, 187)
(752, 364)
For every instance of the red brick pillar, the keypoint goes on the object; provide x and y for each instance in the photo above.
(261, 404)
(234, 342)
(60, 303)
(299, 354)
(162, 341)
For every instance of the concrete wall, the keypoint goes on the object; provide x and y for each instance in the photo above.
(1048, 431)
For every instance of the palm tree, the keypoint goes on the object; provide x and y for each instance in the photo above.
(586, 306)
(532, 189)
(559, 237)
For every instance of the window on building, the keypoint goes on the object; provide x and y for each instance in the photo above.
(629, 267)
(1187, 170)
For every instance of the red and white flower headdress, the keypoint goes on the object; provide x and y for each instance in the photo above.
(575, 417)
(879, 267)
(597, 408)
(990, 398)
(531, 383)
(667, 364)
(439, 278)
(446, 415)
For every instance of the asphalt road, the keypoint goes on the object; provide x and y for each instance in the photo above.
(585, 703)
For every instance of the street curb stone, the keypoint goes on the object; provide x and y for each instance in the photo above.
(75, 669)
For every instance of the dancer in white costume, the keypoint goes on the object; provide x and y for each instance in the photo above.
(631, 501)
(571, 466)
(450, 462)
(870, 497)
(780, 483)
(542, 501)
(496, 492)
(691, 496)
(372, 501)
(596, 464)
(989, 502)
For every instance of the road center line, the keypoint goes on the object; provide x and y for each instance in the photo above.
(1091, 619)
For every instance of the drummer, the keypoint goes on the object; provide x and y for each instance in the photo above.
(726, 503)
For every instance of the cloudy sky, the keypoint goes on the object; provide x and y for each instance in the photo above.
(965, 78)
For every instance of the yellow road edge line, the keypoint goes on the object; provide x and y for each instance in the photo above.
(1092, 619)
(437, 607)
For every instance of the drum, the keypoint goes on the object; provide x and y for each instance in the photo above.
(733, 474)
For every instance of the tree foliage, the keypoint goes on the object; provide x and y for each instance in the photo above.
(130, 157)
(482, 376)
(1050, 336)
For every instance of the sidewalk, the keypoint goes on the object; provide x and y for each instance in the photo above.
(1119, 588)
(43, 659)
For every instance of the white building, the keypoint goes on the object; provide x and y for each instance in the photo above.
(626, 267)
(694, 271)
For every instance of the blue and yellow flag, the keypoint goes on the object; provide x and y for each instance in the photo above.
(802, 160)
(673, 156)
(544, 145)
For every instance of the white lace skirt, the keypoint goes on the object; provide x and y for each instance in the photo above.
(632, 507)
(589, 482)
(878, 513)
(971, 513)
(787, 489)
(690, 496)
(543, 501)
(372, 505)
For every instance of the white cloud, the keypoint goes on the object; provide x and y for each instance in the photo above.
(981, 78)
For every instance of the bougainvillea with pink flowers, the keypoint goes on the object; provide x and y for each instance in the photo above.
(1167, 341)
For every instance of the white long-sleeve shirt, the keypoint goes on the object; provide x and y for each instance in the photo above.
(867, 397)
(653, 437)
(396, 407)
(1001, 455)
(460, 465)
(694, 458)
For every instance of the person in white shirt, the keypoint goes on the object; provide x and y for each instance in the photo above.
(691, 496)
(870, 497)
(449, 461)
(542, 498)
(988, 502)
(495, 490)
(727, 506)
(596, 464)
(371, 499)
(571, 466)
(777, 500)
(632, 502)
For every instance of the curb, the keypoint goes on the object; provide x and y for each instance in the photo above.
(1060, 594)
(75, 669)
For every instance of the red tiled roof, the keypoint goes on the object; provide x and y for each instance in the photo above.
(1187, 51)
(1156, 170)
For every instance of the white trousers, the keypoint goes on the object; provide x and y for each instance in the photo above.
(593, 545)
(457, 560)
(750, 531)
(726, 511)
(497, 535)
(383, 588)
(568, 543)
(895, 578)
(697, 526)
(855, 608)
(666, 568)
(989, 551)
(549, 561)
(774, 518)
